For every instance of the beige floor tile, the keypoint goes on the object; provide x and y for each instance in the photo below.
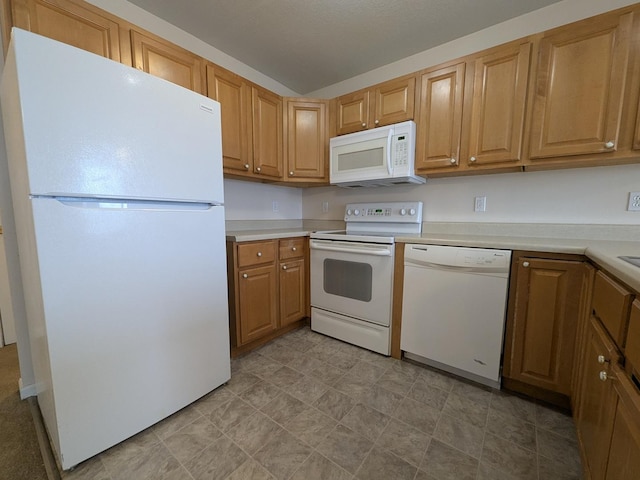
(283, 455)
(383, 465)
(346, 448)
(446, 463)
(366, 421)
(311, 426)
(406, 442)
(460, 434)
(418, 415)
(317, 467)
(334, 403)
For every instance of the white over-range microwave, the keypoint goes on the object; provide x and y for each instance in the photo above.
(376, 157)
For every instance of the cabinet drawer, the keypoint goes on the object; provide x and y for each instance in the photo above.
(632, 349)
(611, 304)
(256, 253)
(292, 248)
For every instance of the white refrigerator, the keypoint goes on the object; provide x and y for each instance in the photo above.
(117, 191)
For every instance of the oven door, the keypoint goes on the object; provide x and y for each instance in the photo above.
(351, 278)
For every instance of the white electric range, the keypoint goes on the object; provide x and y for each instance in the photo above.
(352, 272)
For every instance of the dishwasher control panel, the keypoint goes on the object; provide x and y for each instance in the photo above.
(482, 257)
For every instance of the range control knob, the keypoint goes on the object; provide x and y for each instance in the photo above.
(349, 212)
(412, 211)
(403, 211)
(356, 212)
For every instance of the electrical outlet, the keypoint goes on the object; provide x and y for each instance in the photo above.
(325, 207)
(274, 206)
(634, 201)
(480, 204)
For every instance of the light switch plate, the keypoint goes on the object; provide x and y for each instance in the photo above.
(480, 204)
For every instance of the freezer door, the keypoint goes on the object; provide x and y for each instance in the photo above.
(134, 317)
(96, 127)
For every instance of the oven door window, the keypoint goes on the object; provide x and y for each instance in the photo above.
(348, 279)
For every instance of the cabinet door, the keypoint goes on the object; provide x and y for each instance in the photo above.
(597, 400)
(498, 101)
(353, 112)
(544, 323)
(440, 118)
(292, 291)
(624, 454)
(167, 61)
(393, 101)
(234, 95)
(267, 133)
(258, 302)
(307, 153)
(68, 22)
(580, 87)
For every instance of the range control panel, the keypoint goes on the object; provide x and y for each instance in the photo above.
(389, 212)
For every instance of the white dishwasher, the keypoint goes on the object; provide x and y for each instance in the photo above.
(453, 309)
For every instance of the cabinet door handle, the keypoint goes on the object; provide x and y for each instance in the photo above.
(284, 267)
(609, 144)
(472, 159)
(525, 264)
(602, 360)
(258, 169)
(246, 166)
(604, 376)
(259, 254)
(244, 275)
(294, 249)
(291, 174)
(364, 125)
(377, 122)
(452, 161)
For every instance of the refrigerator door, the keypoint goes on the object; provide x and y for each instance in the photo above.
(133, 314)
(94, 127)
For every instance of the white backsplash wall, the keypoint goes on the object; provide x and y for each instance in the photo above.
(574, 196)
(255, 201)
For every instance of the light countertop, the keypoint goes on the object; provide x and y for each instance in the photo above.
(604, 253)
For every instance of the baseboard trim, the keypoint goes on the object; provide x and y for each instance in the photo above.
(26, 391)
(48, 459)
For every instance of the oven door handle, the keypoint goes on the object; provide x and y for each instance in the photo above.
(381, 252)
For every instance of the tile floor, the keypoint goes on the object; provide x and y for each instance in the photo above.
(308, 407)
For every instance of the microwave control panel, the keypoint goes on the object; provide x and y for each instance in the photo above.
(400, 150)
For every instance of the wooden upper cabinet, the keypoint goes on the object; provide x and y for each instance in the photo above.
(497, 105)
(549, 301)
(353, 112)
(383, 104)
(267, 133)
(306, 140)
(74, 23)
(393, 101)
(167, 61)
(234, 95)
(439, 122)
(580, 84)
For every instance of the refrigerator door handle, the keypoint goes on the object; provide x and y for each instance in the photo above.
(132, 204)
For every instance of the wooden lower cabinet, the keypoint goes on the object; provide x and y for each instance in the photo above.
(624, 453)
(548, 301)
(258, 302)
(598, 400)
(268, 290)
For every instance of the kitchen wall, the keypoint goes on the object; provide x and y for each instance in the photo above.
(252, 200)
(596, 195)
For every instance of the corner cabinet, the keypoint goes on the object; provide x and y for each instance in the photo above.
(549, 300)
(383, 104)
(306, 140)
(580, 87)
(75, 23)
(268, 290)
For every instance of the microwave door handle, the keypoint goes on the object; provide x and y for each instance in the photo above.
(389, 141)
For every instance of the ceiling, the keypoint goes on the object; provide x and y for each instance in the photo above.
(307, 45)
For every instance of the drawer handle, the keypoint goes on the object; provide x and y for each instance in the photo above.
(246, 166)
(452, 161)
(244, 275)
(602, 360)
(609, 145)
(259, 254)
(377, 122)
(284, 267)
(472, 159)
(525, 264)
(291, 173)
(294, 249)
(258, 169)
